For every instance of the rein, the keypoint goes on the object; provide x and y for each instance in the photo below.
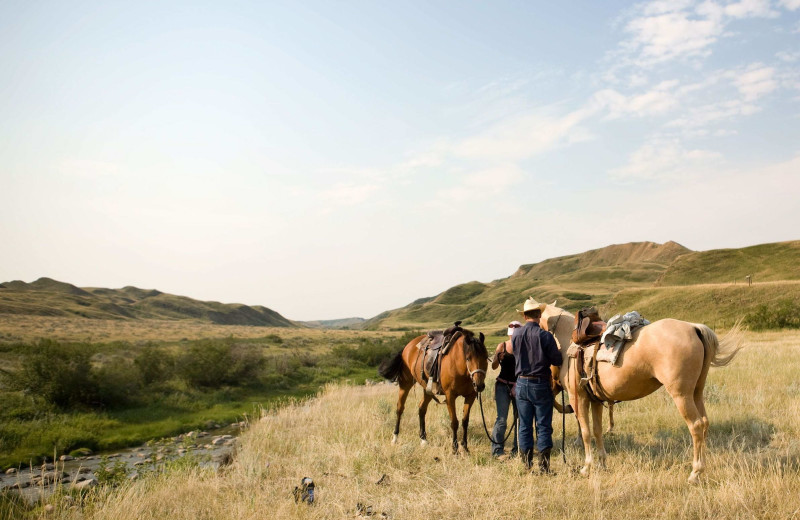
(483, 419)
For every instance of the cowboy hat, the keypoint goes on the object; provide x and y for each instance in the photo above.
(531, 305)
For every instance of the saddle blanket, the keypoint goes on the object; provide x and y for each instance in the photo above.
(619, 329)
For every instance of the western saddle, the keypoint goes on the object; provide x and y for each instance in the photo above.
(432, 348)
(589, 328)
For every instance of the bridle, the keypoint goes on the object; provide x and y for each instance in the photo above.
(473, 372)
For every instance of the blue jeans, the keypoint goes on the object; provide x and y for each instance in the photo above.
(535, 402)
(502, 398)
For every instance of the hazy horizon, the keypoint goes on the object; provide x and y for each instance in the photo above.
(334, 160)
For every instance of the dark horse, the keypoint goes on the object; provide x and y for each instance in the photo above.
(463, 371)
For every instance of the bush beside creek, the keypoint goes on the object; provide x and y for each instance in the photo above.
(68, 398)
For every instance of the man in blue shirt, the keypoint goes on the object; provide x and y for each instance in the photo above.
(534, 351)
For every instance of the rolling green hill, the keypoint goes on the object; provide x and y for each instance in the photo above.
(47, 297)
(765, 263)
(645, 276)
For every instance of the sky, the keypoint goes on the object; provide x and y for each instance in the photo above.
(336, 159)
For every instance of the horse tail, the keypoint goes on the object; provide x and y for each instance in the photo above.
(392, 367)
(721, 352)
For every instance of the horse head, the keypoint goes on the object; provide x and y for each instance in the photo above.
(476, 357)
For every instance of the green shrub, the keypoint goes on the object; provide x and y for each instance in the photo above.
(212, 364)
(111, 474)
(118, 383)
(59, 373)
(154, 365)
(784, 314)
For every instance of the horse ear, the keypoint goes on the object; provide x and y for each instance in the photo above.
(554, 303)
(482, 337)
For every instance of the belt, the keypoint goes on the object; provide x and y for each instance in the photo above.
(505, 382)
(535, 378)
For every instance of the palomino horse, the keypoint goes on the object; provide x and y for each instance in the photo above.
(463, 371)
(553, 319)
(670, 353)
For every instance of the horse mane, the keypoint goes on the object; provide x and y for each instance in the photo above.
(474, 345)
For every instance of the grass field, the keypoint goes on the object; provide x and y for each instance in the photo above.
(110, 395)
(341, 440)
(29, 328)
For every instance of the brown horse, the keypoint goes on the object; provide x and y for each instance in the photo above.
(463, 371)
(670, 353)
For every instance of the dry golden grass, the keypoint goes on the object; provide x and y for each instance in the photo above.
(341, 439)
(29, 328)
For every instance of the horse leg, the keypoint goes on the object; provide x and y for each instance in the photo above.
(580, 402)
(423, 409)
(597, 427)
(610, 429)
(401, 405)
(582, 413)
(450, 399)
(697, 427)
(578, 436)
(465, 421)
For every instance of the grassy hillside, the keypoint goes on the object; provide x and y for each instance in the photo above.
(765, 263)
(47, 297)
(717, 305)
(341, 440)
(343, 323)
(575, 281)
(639, 276)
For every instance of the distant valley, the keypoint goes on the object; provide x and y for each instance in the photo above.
(661, 280)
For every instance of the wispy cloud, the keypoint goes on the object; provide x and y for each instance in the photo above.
(665, 159)
(791, 5)
(661, 31)
(787, 56)
(657, 100)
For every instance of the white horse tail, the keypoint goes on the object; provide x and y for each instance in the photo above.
(722, 351)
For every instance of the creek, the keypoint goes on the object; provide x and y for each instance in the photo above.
(212, 448)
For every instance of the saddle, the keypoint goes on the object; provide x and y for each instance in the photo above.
(589, 328)
(432, 348)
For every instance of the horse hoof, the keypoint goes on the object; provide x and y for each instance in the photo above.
(394, 439)
(585, 471)
(694, 478)
(423, 442)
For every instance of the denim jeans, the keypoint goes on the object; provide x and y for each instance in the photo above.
(535, 403)
(502, 397)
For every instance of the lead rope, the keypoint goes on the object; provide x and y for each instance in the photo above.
(563, 414)
(563, 429)
(483, 418)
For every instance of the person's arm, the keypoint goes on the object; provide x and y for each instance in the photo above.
(551, 347)
(499, 352)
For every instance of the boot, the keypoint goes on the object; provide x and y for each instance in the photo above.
(544, 461)
(527, 458)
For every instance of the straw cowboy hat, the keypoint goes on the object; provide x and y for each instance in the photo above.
(531, 304)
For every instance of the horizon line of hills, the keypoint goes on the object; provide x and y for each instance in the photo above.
(611, 277)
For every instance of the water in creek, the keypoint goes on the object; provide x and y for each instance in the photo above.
(211, 448)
